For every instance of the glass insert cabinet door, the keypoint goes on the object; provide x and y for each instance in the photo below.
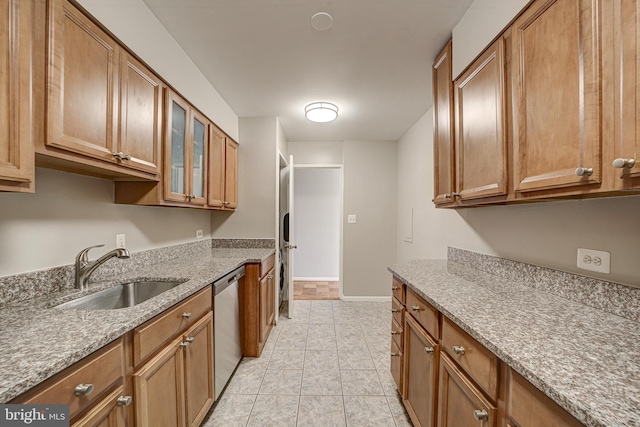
(185, 152)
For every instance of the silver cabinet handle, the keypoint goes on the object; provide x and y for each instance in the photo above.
(394, 288)
(480, 415)
(190, 339)
(184, 344)
(429, 350)
(394, 354)
(270, 277)
(395, 332)
(624, 163)
(186, 315)
(415, 307)
(83, 390)
(118, 155)
(458, 349)
(226, 203)
(126, 157)
(124, 400)
(455, 194)
(394, 310)
(584, 171)
(447, 196)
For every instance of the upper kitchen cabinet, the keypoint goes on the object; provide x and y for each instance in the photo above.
(627, 93)
(443, 142)
(86, 89)
(480, 126)
(557, 116)
(223, 171)
(185, 155)
(16, 134)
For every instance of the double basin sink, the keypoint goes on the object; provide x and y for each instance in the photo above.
(120, 296)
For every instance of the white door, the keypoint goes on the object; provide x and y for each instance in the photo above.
(290, 246)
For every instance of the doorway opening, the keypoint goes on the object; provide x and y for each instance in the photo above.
(317, 199)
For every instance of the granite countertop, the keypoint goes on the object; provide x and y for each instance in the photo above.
(585, 359)
(37, 341)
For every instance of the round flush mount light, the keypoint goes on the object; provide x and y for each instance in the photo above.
(321, 112)
(321, 21)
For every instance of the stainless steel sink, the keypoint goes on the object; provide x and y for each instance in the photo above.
(120, 296)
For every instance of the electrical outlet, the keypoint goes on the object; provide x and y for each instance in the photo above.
(120, 241)
(351, 219)
(198, 234)
(590, 259)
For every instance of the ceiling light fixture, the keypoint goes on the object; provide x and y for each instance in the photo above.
(321, 112)
(322, 21)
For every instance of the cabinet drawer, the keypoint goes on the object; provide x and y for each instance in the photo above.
(397, 310)
(460, 402)
(397, 333)
(267, 265)
(149, 337)
(478, 362)
(528, 406)
(397, 290)
(397, 359)
(424, 313)
(102, 370)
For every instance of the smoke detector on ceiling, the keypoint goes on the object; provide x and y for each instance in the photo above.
(322, 21)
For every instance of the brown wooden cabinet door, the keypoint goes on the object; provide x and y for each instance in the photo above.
(106, 413)
(140, 115)
(627, 81)
(271, 303)
(443, 141)
(16, 145)
(526, 406)
(82, 84)
(266, 306)
(396, 367)
(231, 175)
(199, 379)
(420, 374)
(481, 143)
(556, 105)
(159, 389)
(460, 403)
(217, 144)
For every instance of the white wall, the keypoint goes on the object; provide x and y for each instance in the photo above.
(483, 21)
(138, 28)
(546, 233)
(317, 198)
(255, 216)
(370, 177)
(70, 212)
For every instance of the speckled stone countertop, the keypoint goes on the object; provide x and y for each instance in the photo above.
(585, 359)
(37, 341)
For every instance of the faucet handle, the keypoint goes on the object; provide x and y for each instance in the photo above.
(83, 256)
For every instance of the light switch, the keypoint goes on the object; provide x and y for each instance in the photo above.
(198, 234)
(351, 219)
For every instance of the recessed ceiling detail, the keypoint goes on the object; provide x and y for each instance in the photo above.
(322, 21)
(321, 112)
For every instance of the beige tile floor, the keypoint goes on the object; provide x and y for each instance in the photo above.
(328, 366)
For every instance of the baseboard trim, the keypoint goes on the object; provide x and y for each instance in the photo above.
(364, 298)
(316, 279)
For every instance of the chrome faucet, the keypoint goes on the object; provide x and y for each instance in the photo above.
(84, 267)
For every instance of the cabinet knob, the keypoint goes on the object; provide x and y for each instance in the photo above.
(118, 154)
(447, 196)
(270, 277)
(126, 157)
(394, 310)
(429, 350)
(458, 349)
(394, 354)
(455, 194)
(83, 390)
(124, 400)
(480, 415)
(395, 333)
(184, 344)
(226, 203)
(186, 315)
(415, 307)
(190, 339)
(584, 171)
(624, 163)
(394, 288)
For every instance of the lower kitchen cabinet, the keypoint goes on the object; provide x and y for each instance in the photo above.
(109, 412)
(460, 402)
(257, 305)
(420, 374)
(176, 386)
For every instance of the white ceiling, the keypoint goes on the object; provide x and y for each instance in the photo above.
(265, 59)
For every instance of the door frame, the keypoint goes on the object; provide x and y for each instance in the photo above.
(340, 167)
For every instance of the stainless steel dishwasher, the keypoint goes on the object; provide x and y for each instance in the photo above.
(227, 337)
